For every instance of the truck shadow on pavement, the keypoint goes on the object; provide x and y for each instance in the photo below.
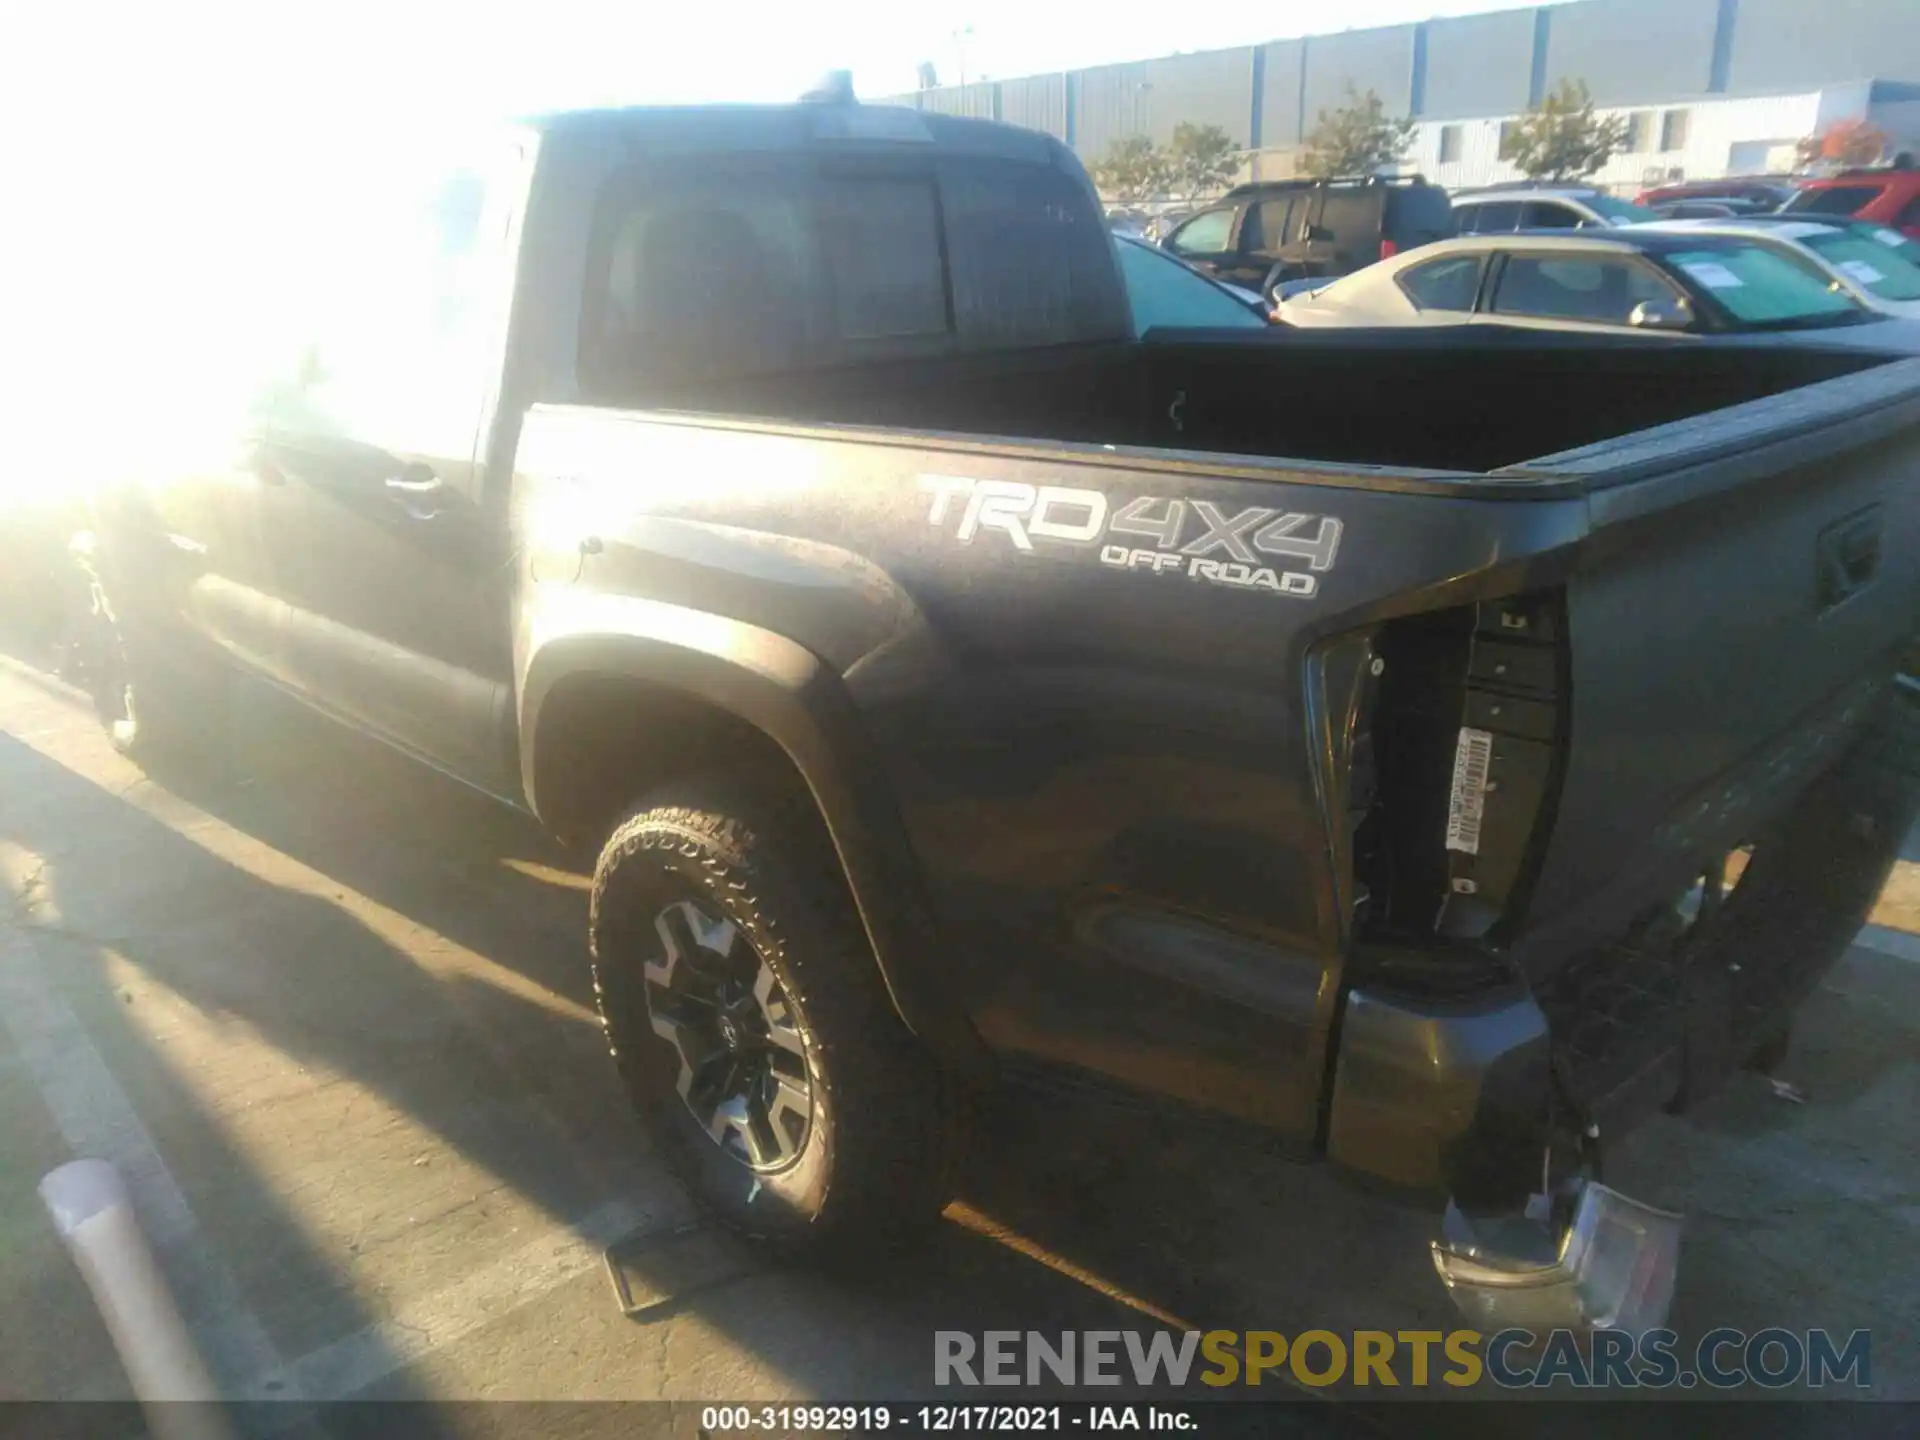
(312, 1005)
(375, 941)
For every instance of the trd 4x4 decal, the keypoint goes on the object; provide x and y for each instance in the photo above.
(1238, 550)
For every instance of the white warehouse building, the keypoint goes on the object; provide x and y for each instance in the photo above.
(1695, 140)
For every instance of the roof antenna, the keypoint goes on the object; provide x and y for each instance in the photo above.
(833, 88)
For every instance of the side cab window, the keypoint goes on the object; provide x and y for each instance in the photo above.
(406, 296)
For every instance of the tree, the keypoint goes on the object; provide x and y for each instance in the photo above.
(927, 75)
(1561, 138)
(1132, 170)
(1843, 143)
(1200, 160)
(1356, 139)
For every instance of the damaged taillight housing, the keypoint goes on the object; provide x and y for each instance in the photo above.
(1454, 733)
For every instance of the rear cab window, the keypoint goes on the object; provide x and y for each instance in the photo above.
(733, 266)
(1762, 288)
(880, 239)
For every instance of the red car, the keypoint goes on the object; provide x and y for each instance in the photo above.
(1768, 191)
(1888, 197)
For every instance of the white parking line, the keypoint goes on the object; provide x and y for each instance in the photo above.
(349, 1365)
(97, 1121)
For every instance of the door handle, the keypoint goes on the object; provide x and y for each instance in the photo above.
(417, 491)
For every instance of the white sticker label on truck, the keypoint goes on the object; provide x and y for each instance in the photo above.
(1861, 271)
(1280, 552)
(1467, 804)
(1713, 275)
(1890, 237)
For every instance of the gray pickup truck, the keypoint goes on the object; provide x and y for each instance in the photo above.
(1438, 753)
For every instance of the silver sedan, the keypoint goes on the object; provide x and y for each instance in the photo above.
(1680, 282)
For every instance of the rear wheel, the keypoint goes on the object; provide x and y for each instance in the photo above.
(752, 1028)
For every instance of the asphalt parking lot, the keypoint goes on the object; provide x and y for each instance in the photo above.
(330, 1016)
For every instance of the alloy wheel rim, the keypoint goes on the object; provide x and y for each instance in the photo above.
(742, 1064)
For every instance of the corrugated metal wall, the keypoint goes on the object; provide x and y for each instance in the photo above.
(1793, 44)
(1633, 51)
(975, 101)
(1629, 52)
(1479, 65)
(1284, 67)
(1039, 102)
(1214, 87)
(1377, 60)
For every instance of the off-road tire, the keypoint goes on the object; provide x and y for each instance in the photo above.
(879, 1153)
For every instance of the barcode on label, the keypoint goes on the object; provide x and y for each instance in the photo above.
(1468, 802)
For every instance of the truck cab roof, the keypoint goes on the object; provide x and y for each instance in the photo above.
(802, 125)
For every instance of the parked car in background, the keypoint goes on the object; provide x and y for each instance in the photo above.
(1164, 290)
(1683, 283)
(1768, 192)
(1721, 209)
(1876, 265)
(1888, 197)
(1262, 234)
(1501, 209)
(1164, 222)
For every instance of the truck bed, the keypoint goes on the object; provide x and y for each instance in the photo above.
(1401, 398)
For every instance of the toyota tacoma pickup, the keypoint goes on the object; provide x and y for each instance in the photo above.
(1437, 753)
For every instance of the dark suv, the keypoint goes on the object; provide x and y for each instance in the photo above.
(1259, 235)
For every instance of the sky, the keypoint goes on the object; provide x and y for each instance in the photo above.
(164, 157)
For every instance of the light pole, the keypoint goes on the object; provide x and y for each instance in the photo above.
(960, 38)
